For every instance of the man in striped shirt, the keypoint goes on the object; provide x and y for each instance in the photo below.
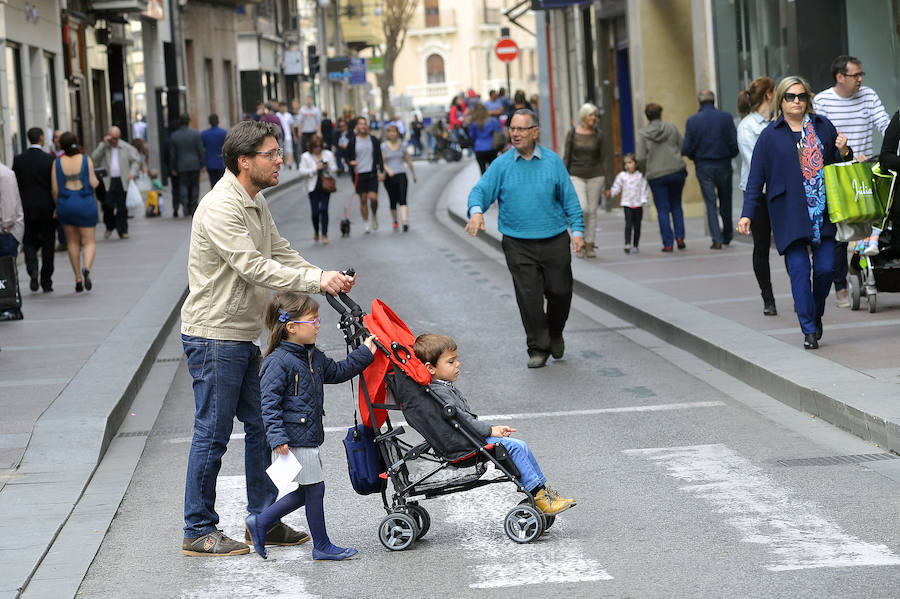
(854, 109)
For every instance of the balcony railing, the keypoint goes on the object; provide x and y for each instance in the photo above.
(447, 89)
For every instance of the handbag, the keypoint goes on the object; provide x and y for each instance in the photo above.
(498, 139)
(329, 185)
(364, 461)
(849, 192)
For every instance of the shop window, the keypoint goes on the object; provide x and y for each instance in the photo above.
(435, 67)
(50, 92)
(16, 101)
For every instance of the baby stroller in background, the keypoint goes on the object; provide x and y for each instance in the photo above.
(397, 380)
(444, 149)
(881, 272)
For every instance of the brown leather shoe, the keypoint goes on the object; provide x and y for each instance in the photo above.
(281, 534)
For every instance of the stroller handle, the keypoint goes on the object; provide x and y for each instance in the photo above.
(348, 306)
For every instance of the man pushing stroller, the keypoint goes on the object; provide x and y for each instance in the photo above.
(439, 355)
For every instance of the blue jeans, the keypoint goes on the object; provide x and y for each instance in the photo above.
(226, 384)
(809, 299)
(715, 177)
(530, 474)
(667, 198)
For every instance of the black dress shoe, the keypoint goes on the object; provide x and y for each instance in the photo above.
(715, 246)
(810, 341)
(79, 286)
(48, 289)
(769, 309)
(87, 278)
(818, 329)
(34, 283)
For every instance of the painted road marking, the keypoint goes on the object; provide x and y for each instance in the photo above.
(763, 512)
(664, 407)
(248, 576)
(477, 522)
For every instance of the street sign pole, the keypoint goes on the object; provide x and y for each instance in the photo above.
(509, 90)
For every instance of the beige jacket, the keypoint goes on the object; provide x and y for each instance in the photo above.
(236, 255)
(129, 161)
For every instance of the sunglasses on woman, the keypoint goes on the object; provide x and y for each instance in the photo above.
(802, 96)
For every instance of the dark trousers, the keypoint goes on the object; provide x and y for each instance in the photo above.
(715, 179)
(809, 298)
(485, 159)
(318, 203)
(667, 198)
(633, 217)
(115, 214)
(396, 187)
(541, 270)
(761, 228)
(214, 175)
(176, 194)
(189, 190)
(840, 265)
(9, 246)
(60, 233)
(40, 235)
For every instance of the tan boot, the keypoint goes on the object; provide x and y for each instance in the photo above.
(589, 250)
(551, 503)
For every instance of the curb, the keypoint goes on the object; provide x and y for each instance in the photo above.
(844, 397)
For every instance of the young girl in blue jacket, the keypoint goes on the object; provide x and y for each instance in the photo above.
(292, 378)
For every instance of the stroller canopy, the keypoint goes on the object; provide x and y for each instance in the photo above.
(398, 339)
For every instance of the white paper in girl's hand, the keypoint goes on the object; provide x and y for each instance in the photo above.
(283, 471)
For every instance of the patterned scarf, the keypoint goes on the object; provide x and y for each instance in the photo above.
(811, 152)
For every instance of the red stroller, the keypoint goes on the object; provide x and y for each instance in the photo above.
(397, 380)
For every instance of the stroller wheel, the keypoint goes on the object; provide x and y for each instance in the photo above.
(548, 520)
(870, 297)
(421, 518)
(397, 531)
(854, 291)
(524, 524)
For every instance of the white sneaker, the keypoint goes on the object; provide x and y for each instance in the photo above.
(872, 248)
(367, 229)
(374, 222)
(635, 250)
(842, 299)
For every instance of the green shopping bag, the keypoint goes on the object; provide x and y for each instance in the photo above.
(849, 191)
(884, 185)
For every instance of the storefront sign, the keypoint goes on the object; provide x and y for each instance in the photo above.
(357, 71)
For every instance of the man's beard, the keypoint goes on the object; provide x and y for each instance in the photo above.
(262, 182)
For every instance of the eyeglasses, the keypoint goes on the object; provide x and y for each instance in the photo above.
(802, 96)
(859, 75)
(315, 322)
(521, 129)
(272, 155)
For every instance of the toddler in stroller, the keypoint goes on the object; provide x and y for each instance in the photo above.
(455, 441)
(439, 354)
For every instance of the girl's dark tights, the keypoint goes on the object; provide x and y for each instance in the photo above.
(633, 218)
(313, 497)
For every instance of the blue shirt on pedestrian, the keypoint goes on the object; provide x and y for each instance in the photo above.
(710, 135)
(483, 137)
(535, 197)
(213, 140)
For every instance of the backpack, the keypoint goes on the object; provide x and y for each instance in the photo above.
(364, 460)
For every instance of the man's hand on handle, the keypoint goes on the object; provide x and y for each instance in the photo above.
(475, 224)
(334, 282)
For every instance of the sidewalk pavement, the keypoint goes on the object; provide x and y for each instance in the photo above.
(69, 371)
(707, 302)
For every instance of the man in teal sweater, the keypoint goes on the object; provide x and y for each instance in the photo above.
(537, 205)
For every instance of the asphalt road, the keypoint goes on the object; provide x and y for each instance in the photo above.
(683, 476)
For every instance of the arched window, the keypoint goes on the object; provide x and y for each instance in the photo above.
(435, 67)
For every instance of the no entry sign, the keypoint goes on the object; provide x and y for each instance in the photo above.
(506, 50)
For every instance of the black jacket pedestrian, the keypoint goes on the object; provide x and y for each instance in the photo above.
(33, 169)
(186, 151)
(377, 160)
(710, 135)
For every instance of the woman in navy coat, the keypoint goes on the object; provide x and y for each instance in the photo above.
(787, 172)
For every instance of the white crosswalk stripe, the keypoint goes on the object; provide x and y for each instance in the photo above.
(791, 529)
(478, 516)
